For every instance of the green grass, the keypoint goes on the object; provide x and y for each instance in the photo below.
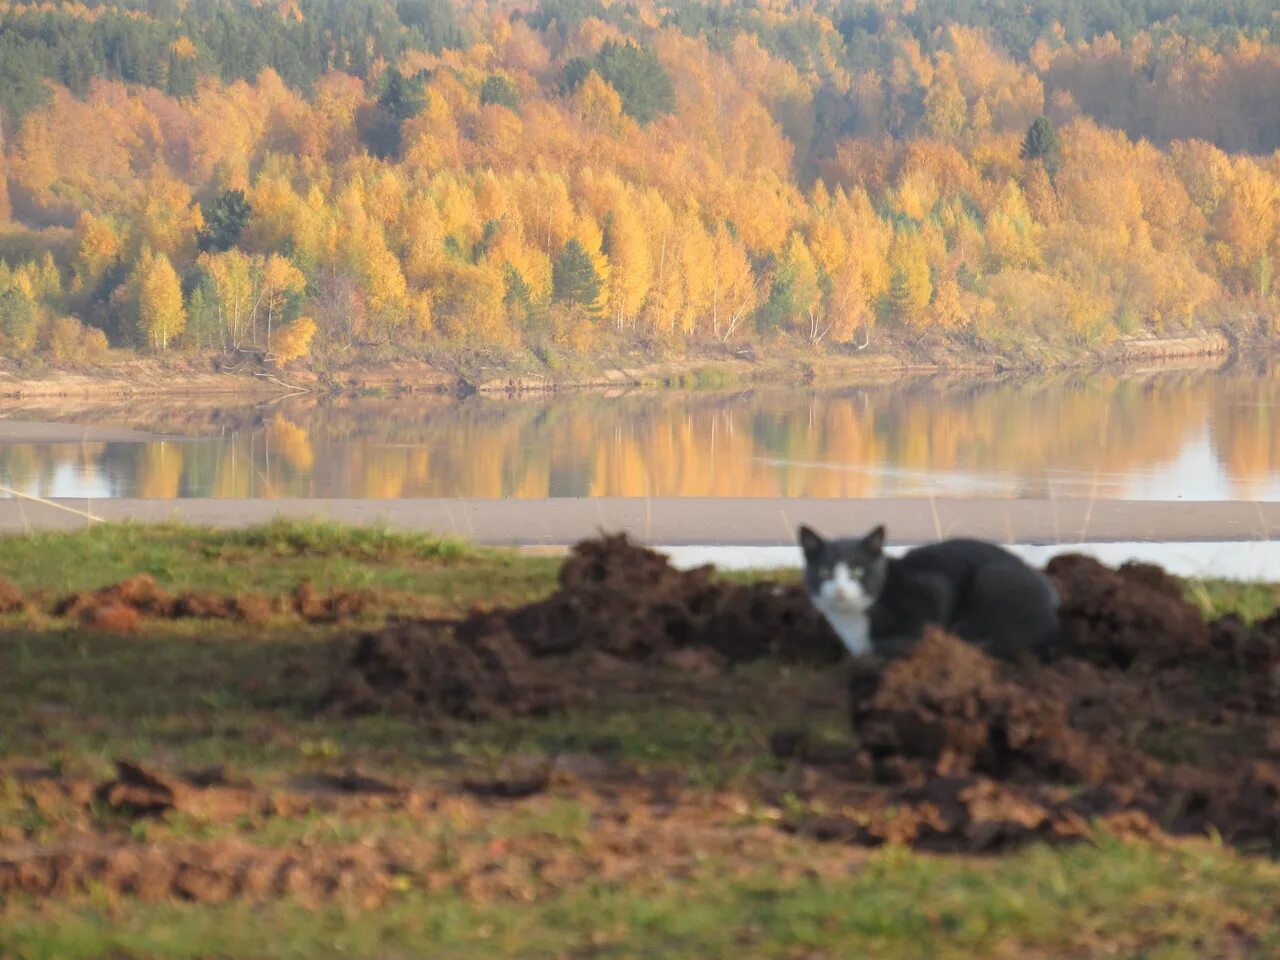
(1252, 601)
(272, 559)
(206, 692)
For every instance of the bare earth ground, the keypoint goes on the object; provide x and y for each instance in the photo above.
(308, 741)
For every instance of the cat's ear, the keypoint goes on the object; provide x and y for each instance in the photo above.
(812, 544)
(874, 541)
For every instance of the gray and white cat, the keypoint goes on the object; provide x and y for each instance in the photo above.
(880, 605)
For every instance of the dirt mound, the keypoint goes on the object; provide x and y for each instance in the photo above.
(957, 751)
(947, 709)
(1250, 809)
(437, 670)
(140, 594)
(627, 601)
(11, 599)
(1256, 648)
(1152, 578)
(250, 608)
(119, 607)
(1134, 616)
(329, 606)
(615, 599)
(770, 620)
(110, 617)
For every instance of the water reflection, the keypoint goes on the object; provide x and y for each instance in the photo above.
(1192, 435)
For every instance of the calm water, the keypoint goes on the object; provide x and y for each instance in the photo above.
(1176, 435)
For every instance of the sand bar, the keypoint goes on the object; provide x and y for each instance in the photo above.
(702, 521)
(35, 431)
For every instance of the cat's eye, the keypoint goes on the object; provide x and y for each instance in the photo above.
(857, 571)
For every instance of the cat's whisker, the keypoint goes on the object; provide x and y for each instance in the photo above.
(937, 522)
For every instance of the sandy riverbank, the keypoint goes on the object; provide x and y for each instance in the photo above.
(200, 376)
(698, 521)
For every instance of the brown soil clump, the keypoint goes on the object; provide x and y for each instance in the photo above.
(249, 608)
(110, 617)
(1134, 616)
(328, 607)
(199, 873)
(11, 599)
(947, 709)
(118, 607)
(205, 795)
(137, 792)
(983, 815)
(627, 601)
(768, 619)
(1165, 721)
(140, 594)
(435, 670)
(616, 601)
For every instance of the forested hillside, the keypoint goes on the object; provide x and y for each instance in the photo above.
(321, 177)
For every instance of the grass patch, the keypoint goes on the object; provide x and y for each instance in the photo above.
(318, 538)
(272, 559)
(202, 693)
(1106, 898)
(1215, 598)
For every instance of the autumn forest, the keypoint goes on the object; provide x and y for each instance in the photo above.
(338, 178)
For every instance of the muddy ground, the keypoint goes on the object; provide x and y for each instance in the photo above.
(1146, 719)
(952, 749)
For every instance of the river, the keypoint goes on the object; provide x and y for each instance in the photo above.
(1174, 435)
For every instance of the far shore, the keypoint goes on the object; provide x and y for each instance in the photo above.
(200, 377)
(693, 521)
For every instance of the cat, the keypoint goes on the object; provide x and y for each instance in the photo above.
(880, 606)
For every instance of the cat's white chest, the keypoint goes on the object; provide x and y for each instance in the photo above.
(851, 626)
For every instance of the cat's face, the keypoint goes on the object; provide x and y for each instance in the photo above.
(845, 574)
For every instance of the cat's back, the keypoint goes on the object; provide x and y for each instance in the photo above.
(1001, 602)
(958, 557)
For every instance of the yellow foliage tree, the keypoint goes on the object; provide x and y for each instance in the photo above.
(97, 246)
(910, 286)
(162, 315)
(235, 281)
(599, 105)
(630, 265)
(293, 341)
(280, 280)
